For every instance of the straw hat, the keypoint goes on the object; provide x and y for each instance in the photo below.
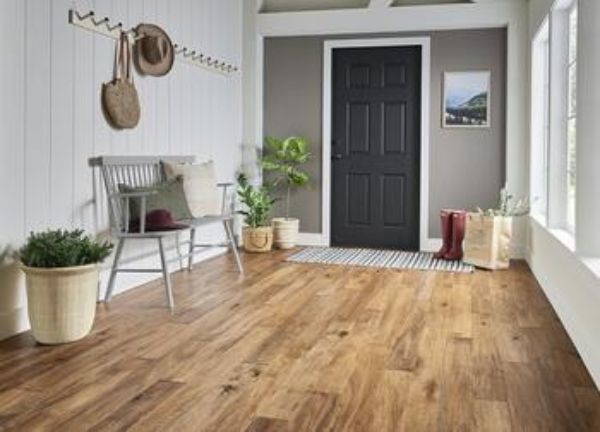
(154, 53)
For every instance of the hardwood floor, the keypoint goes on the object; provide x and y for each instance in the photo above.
(297, 347)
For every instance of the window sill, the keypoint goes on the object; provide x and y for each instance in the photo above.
(540, 219)
(593, 265)
(565, 237)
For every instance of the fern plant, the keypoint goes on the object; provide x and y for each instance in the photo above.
(62, 248)
(257, 202)
(284, 157)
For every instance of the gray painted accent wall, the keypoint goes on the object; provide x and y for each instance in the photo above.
(467, 166)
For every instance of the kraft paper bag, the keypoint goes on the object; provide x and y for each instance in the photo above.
(487, 241)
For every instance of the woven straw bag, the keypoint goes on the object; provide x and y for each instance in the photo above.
(120, 101)
(257, 239)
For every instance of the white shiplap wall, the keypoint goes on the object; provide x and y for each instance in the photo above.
(51, 122)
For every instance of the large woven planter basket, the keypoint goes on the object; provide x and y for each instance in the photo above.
(257, 239)
(61, 302)
(285, 232)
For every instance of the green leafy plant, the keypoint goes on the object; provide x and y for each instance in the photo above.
(62, 248)
(284, 157)
(506, 208)
(257, 201)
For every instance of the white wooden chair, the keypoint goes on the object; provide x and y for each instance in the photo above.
(147, 171)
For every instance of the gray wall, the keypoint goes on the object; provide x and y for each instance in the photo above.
(466, 165)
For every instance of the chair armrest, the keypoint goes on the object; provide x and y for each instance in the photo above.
(133, 194)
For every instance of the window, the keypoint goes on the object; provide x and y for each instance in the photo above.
(540, 121)
(571, 146)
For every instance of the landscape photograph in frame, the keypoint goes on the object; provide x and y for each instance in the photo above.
(466, 102)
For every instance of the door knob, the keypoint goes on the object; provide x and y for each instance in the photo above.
(337, 156)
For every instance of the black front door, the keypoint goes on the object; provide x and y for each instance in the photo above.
(375, 148)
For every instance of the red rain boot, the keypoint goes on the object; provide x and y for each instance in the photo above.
(458, 234)
(446, 219)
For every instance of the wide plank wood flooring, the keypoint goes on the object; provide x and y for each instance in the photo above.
(302, 347)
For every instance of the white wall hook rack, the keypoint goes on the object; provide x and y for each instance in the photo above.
(103, 26)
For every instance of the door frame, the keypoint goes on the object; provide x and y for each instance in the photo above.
(328, 46)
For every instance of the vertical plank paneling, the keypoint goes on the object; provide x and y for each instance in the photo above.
(150, 142)
(37, 116)
(175, 82)
(61, 116)
(51, 120)
(135, 10)
(12, 88)
(103, 134)
(84, 97)
(162, 91)
(122, 138)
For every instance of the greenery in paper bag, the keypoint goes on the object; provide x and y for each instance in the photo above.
(506, 208)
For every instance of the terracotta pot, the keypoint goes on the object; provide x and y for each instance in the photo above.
(257, 239)
(285, 232)
(61, 302)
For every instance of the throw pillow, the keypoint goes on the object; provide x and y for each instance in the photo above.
(169, 196)
(199, 185)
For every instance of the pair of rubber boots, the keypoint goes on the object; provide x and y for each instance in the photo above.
(453, 234)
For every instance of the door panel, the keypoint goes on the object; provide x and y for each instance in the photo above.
(376, 147)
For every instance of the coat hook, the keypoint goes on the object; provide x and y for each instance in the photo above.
(84, 17)
(99, 23)
(105, 27)
(119, 25)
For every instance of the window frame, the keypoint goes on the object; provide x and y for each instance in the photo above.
(540, 122)
(571, 121)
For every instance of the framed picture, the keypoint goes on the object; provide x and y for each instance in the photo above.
(466, 102)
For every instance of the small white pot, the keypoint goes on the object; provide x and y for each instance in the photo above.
(285, 232)
(61, 302)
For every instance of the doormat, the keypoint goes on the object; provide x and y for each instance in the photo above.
(379, 258)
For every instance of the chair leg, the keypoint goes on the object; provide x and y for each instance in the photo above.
(178, 246)
(113, 271)
(165, 270)
(234, 247)
(191, 249)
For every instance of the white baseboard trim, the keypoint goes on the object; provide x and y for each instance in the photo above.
(13, 322)
(311, 239)
(318, 239)
(431, 245)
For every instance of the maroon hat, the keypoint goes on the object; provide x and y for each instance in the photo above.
(162, 220)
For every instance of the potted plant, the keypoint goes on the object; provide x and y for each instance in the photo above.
(488, 233)
(61, 276)
(284, 158)
(257, 235)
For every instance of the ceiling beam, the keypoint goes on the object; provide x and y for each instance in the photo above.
(380, 3)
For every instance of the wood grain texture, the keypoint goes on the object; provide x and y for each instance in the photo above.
(296, 347)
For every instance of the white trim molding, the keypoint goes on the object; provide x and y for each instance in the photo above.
(311, 239)
(328, 47)
(357, 22)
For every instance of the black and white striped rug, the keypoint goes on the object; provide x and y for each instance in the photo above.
(377, 258)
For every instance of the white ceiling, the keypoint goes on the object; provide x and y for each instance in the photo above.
(304, 5)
